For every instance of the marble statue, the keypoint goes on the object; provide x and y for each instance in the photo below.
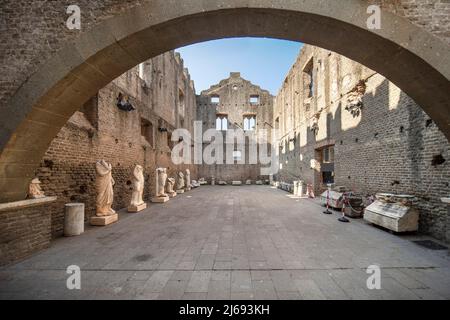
(105, 195)
(195, 184)
(180, 182)
(104, 186)
(188, 180)
(137, 204)
(34, 190)
(161, 177)
(170, 185)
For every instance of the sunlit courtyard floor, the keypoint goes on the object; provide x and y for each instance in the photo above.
(225, 242)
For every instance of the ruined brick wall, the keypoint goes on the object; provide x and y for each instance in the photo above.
(388, 147)
(234, 103)
(31, 31)
(102, 131)
(23, 231)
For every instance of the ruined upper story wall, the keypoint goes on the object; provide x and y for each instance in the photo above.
(32, 31)
(234, 95)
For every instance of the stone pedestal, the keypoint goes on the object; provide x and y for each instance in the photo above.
(74, 219)
(187, 189)
(160, 199)
(137, 208)
(172, 194)
(180, 191)
(236, 183)
(104, 221)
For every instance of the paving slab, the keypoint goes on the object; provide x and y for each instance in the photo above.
(254, 242)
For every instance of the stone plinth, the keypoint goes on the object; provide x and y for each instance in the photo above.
(74, 219)
(104, 221)
(180, 191)
(160, 199)
(236, 183)
(172, 194)
(137, 208)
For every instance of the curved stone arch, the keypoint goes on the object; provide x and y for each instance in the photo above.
(410, 57)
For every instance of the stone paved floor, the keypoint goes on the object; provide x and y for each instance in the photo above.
(224, 242)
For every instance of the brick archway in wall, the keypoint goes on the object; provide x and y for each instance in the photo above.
(413, 59)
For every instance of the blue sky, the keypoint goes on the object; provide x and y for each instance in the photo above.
(264, 62)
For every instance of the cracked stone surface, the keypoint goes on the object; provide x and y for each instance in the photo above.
(222, 242)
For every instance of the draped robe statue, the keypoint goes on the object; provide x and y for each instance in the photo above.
(161, 177)
(34, 189)
(180, 181)
(170, 184)
(104, 186)
(188, 179)
(138, 187)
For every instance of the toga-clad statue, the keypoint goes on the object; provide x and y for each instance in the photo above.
(138, 187)
(34, 189)
(161, 182)
(180, 181)
(188, 180)
(104, 186)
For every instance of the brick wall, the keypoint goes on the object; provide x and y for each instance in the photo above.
(23, 231)
(102, 131)
(388, 147)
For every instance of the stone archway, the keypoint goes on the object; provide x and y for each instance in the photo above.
(410, 57)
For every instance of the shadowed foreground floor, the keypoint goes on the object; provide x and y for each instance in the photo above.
(225, 242)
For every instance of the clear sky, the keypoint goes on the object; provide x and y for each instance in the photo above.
(264, 62)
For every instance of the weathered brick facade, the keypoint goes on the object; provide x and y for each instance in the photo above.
(238, 101)
(102, 131)
(388, 147)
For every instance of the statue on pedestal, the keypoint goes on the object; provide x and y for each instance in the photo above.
(105, 195)
(161, 177)
(188, 180)
(170, 185)
(180, 182)
(34, 189)
(137, 204)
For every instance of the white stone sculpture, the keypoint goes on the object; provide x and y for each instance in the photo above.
(188, 180)
(180, 182)
(170, 184)
(105, 195)
(195, 184)
(34, 190)
(161, 177)
(137, 203)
